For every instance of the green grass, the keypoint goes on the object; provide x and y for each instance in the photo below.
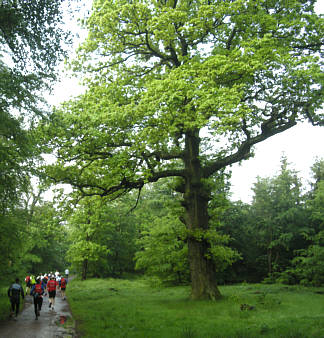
(4, 303)
(132, 308)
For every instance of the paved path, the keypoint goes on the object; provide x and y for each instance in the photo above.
(48, 325)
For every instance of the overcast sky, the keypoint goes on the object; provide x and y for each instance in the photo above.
(301, 145)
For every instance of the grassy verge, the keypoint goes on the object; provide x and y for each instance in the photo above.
(4, 303)
(125, 308)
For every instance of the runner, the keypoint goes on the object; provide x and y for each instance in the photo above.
(51, 288)
(14, 292)
(63, 283)
(58, 278)
(32, 280)
(28, 284)
(45, 280)
(37, 292)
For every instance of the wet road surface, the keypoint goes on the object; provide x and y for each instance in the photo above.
(50, 324)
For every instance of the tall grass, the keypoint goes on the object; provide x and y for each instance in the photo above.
(4, 303)
(132, 308)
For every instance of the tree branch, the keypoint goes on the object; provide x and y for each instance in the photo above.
(244, 150)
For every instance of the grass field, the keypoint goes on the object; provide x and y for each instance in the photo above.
(4, 303)
(132, 308)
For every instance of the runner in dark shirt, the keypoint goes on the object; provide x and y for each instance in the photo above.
(14, 293)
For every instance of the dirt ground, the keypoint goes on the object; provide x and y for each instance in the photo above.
(56, 323)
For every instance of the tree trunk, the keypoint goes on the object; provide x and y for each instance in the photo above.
(196, 197)
(202, 271)
(84, 269)
(269, 255)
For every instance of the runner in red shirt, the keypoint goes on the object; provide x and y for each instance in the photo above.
(28, 284)
(37, 292)
(51, 288)
(63, 283)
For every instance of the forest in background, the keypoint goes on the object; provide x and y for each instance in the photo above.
(133, 149)
(278, 237)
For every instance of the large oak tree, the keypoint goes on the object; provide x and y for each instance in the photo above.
(184, 89)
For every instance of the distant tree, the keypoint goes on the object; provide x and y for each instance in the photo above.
(163, 241)
(164, 253)
(184, 89)
(318, 173)
(102, 237)
(46, 240)
(120, 234)
(85, 230)
(239, 223)
(32, 238)
(162, 249)
(308, 267)
(280, 217)
(12, 243)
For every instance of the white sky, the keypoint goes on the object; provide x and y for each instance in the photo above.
(302, 145)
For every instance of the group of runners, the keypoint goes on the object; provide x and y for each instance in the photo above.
(38, 287)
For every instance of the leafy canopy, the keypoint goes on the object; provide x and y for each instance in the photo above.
(31, 46)
(229, 73)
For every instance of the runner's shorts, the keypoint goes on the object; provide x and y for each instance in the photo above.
(52, 294)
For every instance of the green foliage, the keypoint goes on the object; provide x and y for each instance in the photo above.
(28, 29)
(101, 234)
(239, 224)
(318, 172)
(280, 217)
(4, 302)
(316, 205)
(170, 71)
(15, 152)
(308, 264)
(46, 246)
(164, 253)
(163, 248)
(31, 39)
(12, 244)
(85, 235)
(32, 239)
(279, 232)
